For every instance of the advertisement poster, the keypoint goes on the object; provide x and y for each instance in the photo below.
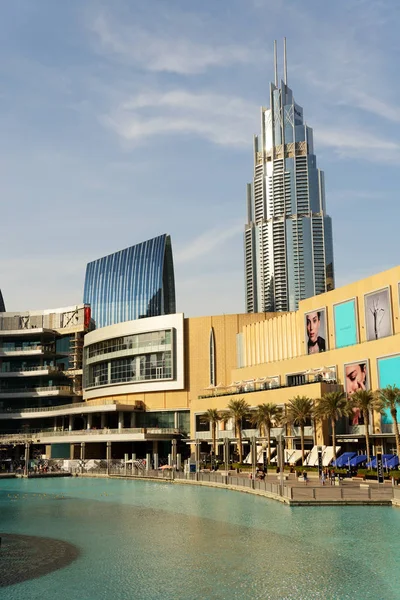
(345, 318)
(316, 334)
(389, 374)
(356, 377)
(378, 314)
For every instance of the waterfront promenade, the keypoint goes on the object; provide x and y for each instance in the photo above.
(289, 490)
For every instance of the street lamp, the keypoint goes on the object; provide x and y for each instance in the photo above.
(280, 439)
(253, 457)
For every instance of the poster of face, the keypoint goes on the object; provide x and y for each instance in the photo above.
(378, 315)
(356, 377)
(315, 325)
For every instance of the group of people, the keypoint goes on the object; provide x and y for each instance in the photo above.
(260, 474)
(327, 476)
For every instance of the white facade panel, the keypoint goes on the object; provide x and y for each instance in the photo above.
(149, 325)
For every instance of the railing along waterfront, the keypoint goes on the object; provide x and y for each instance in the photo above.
(297, 492)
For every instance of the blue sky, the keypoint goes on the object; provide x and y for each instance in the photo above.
(123, 120)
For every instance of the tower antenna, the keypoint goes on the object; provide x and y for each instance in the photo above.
(284, 62)
(276, 64)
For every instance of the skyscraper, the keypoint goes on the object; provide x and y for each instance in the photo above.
(288, 235)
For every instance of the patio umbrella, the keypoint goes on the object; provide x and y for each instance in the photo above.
(220, 386)
(211, 388)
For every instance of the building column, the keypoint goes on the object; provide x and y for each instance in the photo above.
(103, 420)
(197, 455)
(173, 452)
(70, 421)
(176, 420)
(89, 421)
(82, 455)
(155, 454)
(148, 462)
(27, 448)
(108, 457)
(55, 424)
(133, 420)
(120, 420)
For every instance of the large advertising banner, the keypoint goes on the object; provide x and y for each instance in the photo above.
(315, 328)
(389, 374)
(345, 323)
(356, 377)
(378, 314)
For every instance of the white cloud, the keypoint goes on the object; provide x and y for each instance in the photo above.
(224, 120)
(376, 106)
(158, 52)
(357, 143)
(207, 243)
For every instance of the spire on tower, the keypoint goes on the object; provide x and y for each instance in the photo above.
(284, 62)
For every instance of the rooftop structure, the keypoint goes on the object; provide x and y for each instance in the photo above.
(133, 283)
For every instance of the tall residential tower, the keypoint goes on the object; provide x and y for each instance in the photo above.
(288, 236)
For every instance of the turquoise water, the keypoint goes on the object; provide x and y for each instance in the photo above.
(149, 541)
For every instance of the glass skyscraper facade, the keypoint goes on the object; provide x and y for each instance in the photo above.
(288, 235)
(131, 284)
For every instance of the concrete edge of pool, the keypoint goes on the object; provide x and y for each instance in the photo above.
(264, 494)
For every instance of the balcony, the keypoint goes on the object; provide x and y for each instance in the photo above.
(357, 429)
(271, 387)
(247, 434)
(76, 408)
(308, 432)
(56, 436)
(387, 428)
(24, 350)
(30, 372)
(36, 392)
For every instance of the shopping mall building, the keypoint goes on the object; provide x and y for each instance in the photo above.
(141, 386)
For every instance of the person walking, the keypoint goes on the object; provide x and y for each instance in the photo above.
(305, 477)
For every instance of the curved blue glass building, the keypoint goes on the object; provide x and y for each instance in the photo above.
(2, 305)
(132, 284)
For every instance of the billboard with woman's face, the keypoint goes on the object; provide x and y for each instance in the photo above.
(378, 314)
(356, 378)
(316, 335)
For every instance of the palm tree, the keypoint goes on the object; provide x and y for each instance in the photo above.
(212, 416)
(389, 398)
(266, 416)
(238, 410)
(298, 411)
(365, 401)
(332, 406)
